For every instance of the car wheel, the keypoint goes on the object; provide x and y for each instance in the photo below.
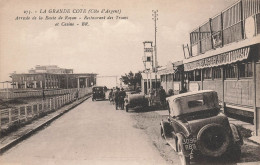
(126, 108)
(162, 133)
(184, 159)
(235, 152)
(213, 140)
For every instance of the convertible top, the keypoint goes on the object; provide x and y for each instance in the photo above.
(188, 94)
(192, 102)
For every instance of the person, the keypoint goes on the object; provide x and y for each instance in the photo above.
(77, 95)
(162, 95)
(151, 96)
(170, 92)
(110, 96)
(184, 89)
(122, 95)
(116, 99)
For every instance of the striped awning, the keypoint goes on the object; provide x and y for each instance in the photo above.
(219, 59)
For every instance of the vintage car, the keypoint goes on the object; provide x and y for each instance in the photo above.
(196, 127)
(134, 99)
(98, 93)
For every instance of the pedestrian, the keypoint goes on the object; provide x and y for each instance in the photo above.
(110, 96)
(162, 95)
(116, 98)
(170, 92)
(122, 95)
(151, 96)
(77, 95)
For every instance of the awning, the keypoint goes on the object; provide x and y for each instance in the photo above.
(219, 59)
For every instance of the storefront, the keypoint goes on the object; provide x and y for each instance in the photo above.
(172, 77)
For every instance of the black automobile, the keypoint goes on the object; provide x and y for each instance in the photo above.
(98, 93)
(196, 127)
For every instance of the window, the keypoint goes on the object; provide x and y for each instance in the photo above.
(245, 70)
(207, 74)
(177, 76)
(216, 72)
(169, 77)
(195, 103)
(163, 78)
(231, 71)
(190, 75)
(197, 75)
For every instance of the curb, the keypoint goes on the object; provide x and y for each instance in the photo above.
(39, 127)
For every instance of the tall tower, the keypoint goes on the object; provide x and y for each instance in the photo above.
(148, 55)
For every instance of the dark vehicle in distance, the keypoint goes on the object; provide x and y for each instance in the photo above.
(196, 127)
(98, 93)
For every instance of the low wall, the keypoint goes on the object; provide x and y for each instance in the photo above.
(39, 93)
(22, 114)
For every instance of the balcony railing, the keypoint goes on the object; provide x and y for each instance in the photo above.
(226, 27)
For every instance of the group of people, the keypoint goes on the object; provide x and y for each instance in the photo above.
(117, 96)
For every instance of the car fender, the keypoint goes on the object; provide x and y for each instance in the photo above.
(165, 126)
(237, 138)
(179, 139)
(169, 134)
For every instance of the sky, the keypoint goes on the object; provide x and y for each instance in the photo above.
(105, 47)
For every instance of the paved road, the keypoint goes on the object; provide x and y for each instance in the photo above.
(92, 133)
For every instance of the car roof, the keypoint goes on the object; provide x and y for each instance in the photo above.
(190, 93)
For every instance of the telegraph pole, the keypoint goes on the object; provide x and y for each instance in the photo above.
(155, 18)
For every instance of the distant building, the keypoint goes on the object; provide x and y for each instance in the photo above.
(51, 76)
(49, 69)
(150, 80)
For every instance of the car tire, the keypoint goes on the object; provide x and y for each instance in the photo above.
(213, 140)
(184, 159)
(235, 152)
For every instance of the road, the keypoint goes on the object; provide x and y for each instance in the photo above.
(92, 133)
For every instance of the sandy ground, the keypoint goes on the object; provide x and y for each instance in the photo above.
(149, 123)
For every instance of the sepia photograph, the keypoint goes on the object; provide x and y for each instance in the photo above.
(130, 82)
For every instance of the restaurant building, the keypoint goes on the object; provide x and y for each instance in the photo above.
(224, 56)
(172, 77)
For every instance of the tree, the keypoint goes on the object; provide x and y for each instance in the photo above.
(132, 79)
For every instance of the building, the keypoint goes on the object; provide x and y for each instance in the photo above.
(52, 77)
(224, 56)
(50, 69)
(149, 80)
(171, 77)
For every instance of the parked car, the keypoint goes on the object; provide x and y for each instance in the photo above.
(196, 126)
(134, 99)
(98, 92)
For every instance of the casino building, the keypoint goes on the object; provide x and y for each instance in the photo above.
(52, 77)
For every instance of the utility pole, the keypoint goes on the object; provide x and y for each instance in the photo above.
(155, 18)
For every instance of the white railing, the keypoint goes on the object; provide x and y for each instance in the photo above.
(39, 93)
(21, 114)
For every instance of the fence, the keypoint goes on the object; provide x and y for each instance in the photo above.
(22, 114)
(38, 93)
